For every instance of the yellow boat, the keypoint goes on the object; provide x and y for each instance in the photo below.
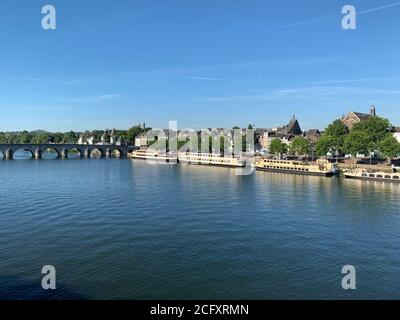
(321, 167)
(209, 159)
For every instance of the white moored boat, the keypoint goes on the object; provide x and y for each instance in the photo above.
(148, 154)
(209, 159)
(363, 174)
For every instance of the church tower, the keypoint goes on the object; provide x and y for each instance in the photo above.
(372, 112)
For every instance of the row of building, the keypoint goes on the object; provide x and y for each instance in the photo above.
(263, 136)
(108, 137)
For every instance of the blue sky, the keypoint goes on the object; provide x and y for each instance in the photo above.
(204, 63)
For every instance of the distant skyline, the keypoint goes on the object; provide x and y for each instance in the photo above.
(204, 63)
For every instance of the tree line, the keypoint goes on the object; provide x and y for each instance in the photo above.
(300, 146)
(44, 137)
(373, 135)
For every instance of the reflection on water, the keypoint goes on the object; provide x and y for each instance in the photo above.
(119, 228)
(383, 186)
(22, 155)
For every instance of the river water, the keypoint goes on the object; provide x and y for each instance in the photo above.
(130, 229)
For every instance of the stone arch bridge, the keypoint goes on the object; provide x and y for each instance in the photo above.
(62, 150)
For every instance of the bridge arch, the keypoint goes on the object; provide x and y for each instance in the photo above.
(75, 153)
(96, 152)
(118, 152)
(2, 155)
(50, 153)
(22, 153)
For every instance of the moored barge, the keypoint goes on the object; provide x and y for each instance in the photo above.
(148, 154)
(209, 159)
(362, 174)
(321, 167)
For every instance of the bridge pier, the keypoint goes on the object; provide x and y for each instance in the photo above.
(8, 154)
(64, 153)
(108, 153)
(38, 154)
(86, 153)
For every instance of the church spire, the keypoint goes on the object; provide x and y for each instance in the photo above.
(372, 112)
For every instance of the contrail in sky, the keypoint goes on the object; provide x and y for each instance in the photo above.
(395, 4)
(301, 22)
(206, 78)
(391, 5)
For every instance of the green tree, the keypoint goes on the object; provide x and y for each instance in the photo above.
(25, 137)
(376, 129)
(337, 131)
(222, 144)
(106, 137)
(70, 137)
(41, 138)
(389, 147)
(11, 138)
(248, 144)
(2, 138)
(181, 143)
(277, 147)
(133, 132)
(151, 142)
(300, 146)
(58, 137)
(244, 143)
(323, 145)
(357, 142)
